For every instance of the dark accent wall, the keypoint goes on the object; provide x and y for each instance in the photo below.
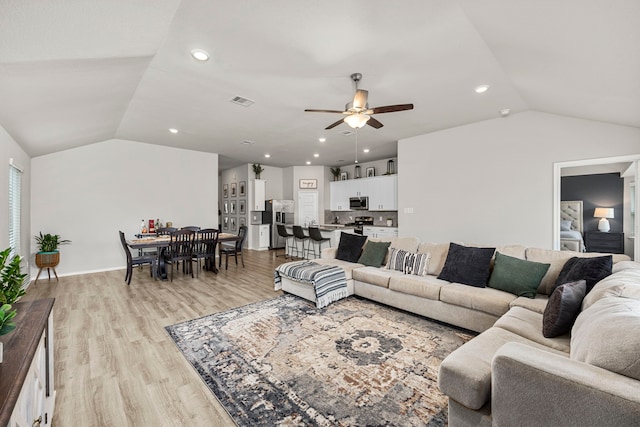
(596, 191)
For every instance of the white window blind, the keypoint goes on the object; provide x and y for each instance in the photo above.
(15, 190)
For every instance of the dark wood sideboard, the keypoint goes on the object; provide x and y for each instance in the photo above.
(28, 359)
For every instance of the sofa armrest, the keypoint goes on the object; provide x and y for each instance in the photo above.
(535, 387)
(329, 253)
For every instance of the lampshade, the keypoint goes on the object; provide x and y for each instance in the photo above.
(356, 121)
(603, 213)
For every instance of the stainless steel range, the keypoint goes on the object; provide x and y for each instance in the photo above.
(360, 222)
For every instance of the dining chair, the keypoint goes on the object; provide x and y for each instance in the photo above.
(288, 239)
(191, 227)
(316, 238)
(299, 236)
(180, 249)
(165, 231)
(234, 249)
(133, 261)
(205, 248)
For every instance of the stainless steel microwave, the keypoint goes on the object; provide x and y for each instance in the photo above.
(359, 203)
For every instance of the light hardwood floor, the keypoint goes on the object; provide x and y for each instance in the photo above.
(116, 365)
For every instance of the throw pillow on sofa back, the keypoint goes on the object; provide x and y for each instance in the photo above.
(517, 276)
(592, 270)
(467, 265)
(350, 247)
(373, 253)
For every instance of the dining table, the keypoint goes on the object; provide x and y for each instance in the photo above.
(162, 242)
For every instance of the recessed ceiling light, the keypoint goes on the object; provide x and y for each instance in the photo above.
(482, 88)
(200, 54)
(322, 139)
(366, 150)
(316, 155)
(267, 155)
(173, 130)
(505, 112)
(308, 162)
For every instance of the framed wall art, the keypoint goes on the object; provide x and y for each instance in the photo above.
(225, 190)
(233, 189)
(309, 183)
(242, 207)
(242, 191)
(344, 176)
(232, 207)
(371, 172)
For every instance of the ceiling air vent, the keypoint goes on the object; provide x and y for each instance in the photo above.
(247, 142)
(346, 132)
(241, 101)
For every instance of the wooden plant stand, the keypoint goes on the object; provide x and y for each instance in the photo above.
(48, 260)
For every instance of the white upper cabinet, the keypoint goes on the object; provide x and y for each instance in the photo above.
(259, 193)
(383, 193)
(339, 195)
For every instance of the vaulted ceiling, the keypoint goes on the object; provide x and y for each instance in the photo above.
(82, 71)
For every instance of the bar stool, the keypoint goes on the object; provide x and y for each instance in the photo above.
(299, 236)
(316, 238)
(288, 240)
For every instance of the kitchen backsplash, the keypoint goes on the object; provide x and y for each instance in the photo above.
(379, 218)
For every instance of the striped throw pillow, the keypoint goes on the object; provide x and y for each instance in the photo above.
(417, 264)
(396, 259)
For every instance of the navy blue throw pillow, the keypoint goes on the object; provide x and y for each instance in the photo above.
(467, 265)
(350, 247)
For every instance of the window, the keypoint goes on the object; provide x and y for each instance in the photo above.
(15, 190)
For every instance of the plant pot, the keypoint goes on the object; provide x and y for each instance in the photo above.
(47, 259)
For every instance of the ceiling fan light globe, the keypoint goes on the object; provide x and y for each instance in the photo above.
(356, 121)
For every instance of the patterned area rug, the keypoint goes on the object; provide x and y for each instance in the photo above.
(285, 362)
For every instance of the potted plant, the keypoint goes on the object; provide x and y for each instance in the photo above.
(257, 169)
(11, 288)
(48, 255)
(336, 173)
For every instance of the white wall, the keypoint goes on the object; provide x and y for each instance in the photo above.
(87, 194)
(10, 149)
(492, 182)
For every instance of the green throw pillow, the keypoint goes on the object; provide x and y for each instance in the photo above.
(374, 253)
(517, 276)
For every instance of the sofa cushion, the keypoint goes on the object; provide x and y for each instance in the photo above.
(465, 375)
(347, 266)
(396, 259)
(563, 308)
(438, 253)
(350, 247)
(375, 276)
(409, 244)
(467, 265)
(487, 300)
(374, 253)
(417, 264)
(625, 284)
(517, 276)
(592, 270)
(420, 286)
(606, 335)
(537, 304)
(528, 324)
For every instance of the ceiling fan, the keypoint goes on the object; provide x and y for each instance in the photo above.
(358, 112)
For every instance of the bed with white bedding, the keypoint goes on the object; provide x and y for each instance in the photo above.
(571, 229)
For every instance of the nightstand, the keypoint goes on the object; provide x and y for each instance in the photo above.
(597, 241)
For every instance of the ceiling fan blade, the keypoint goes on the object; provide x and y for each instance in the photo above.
(332, 125)
(391, 108)
(323, 111)
(374, 123)
(360, 99)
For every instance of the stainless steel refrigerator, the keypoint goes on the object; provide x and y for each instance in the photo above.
(277, 212)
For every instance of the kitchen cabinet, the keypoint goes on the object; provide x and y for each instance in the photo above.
(339, 196)
(258, 194)
(383, 193)
(27, 394)
(379, 232)
(260, 237)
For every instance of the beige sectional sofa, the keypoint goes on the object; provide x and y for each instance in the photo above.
(511, 374)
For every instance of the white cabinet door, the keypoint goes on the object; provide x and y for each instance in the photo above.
(30, 406)
(258, 194)
(264, 237)
(379, 232)
(383, 193)
(339, 196)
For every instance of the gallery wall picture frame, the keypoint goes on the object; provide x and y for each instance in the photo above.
(309, 183)
(242, 191)
(344, 176)
(225, 190)
(225, 207)
(371, 172)
(232, 207)
(233, 223)
(242, 207)
(242, 221)
(225, 223)
(233, 189)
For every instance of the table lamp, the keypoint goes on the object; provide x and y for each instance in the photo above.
(603, 214)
